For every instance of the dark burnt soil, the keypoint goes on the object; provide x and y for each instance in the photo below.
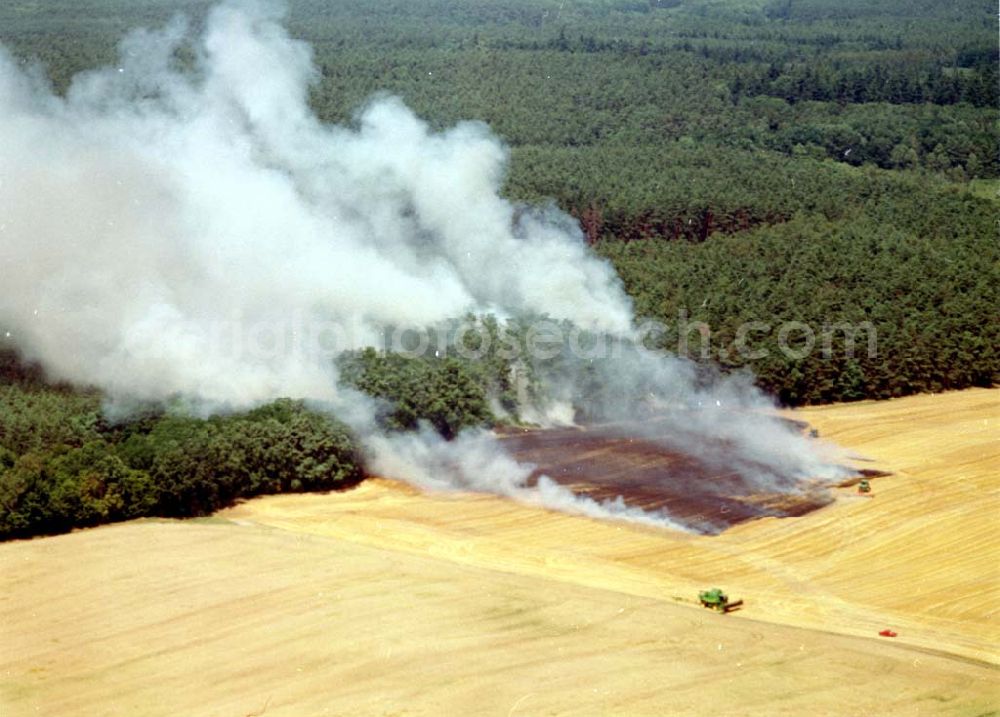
(604, 463)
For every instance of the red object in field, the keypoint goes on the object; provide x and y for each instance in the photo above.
(887, 633)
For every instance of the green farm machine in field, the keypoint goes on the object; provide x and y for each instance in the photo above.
(718, 600)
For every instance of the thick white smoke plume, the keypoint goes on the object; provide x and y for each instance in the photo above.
(201, 233)
(152, 209)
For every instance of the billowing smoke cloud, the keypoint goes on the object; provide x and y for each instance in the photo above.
(150, 208)
(199, 232)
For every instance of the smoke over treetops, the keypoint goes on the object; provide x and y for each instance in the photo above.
(154, 216)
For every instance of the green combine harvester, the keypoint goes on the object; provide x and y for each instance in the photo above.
(718, 600)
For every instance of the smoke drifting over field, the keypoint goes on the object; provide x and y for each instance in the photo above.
(155, 223)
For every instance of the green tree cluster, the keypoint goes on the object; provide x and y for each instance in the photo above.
(63, 464)
(448, 393)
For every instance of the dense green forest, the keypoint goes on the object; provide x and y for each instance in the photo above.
(64, 463)
(450, 394)
(817, 161)
(673, 123)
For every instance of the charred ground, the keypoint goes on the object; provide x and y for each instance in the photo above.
(612, 461)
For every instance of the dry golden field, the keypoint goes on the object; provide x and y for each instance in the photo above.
(384, 601)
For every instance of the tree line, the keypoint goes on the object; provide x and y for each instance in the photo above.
(65, 464)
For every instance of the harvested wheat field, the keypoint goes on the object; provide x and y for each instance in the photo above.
(384, 601)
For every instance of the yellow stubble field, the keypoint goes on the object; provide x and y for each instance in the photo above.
(385, 601)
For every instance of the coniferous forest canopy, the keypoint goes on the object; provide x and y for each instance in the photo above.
(821, 161)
